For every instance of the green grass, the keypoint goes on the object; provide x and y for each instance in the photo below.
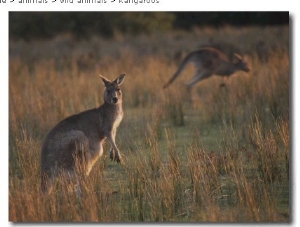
(222, 158)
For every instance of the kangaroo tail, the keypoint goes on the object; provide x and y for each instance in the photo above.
(181, 67)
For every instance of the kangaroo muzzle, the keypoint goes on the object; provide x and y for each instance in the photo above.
(115, 100)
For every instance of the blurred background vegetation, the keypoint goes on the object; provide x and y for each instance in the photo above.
(41, 25)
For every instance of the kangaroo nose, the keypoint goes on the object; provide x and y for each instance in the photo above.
(247, 69)
(115, 99)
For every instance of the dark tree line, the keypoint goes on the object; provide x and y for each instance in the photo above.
(189, 19)
(39, 25)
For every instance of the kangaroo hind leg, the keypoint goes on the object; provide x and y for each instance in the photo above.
(199, 75)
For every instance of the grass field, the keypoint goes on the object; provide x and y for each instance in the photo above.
(224, 157)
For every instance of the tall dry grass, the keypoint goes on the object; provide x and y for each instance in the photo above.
(222, 158)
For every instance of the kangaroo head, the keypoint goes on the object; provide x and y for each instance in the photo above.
(113, 93)
(240, 63)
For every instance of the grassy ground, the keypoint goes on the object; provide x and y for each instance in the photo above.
(224, 157)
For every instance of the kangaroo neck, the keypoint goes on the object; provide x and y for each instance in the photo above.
(232, 68)
(110, 111)
(112, 107)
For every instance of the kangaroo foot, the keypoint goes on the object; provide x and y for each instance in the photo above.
(115, 157)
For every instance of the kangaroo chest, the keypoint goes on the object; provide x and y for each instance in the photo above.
(118, 119)
(112, 118)
(224, 69)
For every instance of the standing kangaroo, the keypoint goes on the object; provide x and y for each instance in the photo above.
(209, 61)
(80, 137)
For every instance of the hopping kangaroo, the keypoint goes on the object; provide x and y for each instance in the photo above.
(209, 61)
(80, 137)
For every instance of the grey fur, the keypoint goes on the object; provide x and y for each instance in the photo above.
(80, 137)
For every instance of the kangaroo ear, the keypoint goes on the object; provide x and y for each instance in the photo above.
(119, 80)
(105, 81)
(237, 56)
